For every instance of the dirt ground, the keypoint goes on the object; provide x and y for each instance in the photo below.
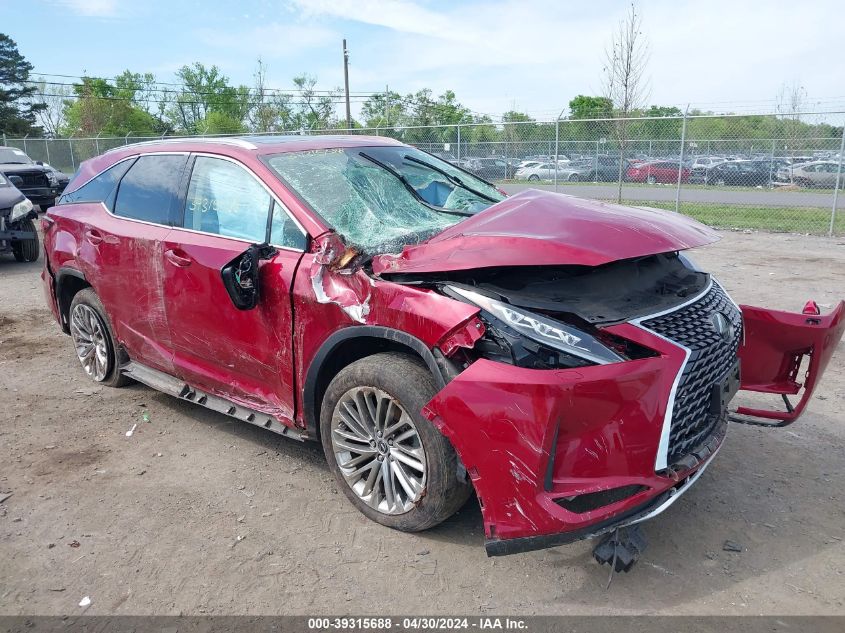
(198, 514)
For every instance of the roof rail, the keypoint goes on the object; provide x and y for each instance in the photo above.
(237, 142)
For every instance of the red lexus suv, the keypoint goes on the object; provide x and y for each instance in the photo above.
(561, 358)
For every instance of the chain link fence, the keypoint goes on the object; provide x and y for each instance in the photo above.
(767, 172)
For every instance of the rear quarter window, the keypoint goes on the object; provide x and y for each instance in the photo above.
(101, 188)
(150, 189)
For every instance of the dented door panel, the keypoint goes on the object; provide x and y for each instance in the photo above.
(771, 355)
(244, 355)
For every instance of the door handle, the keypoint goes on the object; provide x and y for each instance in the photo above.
(93, 236)
(177, 259)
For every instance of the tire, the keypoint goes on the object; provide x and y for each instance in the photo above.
(651, 180)
(534, 178)
(378, 384)
(27, 250)
(573, 178)
(87, 312)
(720, 182)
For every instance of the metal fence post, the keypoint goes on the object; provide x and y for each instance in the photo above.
(557, 139)
(838, 183)
(459, 143)
(681, 163)
(24, 144)
(596, 166)
(126, 138)
(4, 138)
(97, 143)
(47, 149)
(70, 147)
(772, 164)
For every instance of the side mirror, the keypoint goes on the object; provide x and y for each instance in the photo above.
(240, 276)
(16, 180)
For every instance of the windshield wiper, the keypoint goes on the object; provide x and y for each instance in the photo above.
(410, 187)
(452, 179)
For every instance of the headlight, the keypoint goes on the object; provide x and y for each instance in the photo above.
(20, 210)
(544, 330)
(51, 178)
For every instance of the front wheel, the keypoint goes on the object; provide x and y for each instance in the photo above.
(26, 250)
(651, 180)
(94, 340)
(390, 462)
(573, 178)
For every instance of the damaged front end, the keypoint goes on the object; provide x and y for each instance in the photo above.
(596, 396)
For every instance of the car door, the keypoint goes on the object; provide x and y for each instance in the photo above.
(128, 244)
(243, 355)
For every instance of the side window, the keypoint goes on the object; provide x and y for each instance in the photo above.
(100, 188)
(225, 199)
(284, 231)
(150, 189)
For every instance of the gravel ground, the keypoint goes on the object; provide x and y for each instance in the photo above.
(195, 513)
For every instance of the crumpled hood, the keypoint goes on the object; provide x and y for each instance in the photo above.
(540, 228)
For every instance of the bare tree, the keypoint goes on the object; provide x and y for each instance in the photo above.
(624, 82)
(262, 114)
(790, 103)
(55, 96)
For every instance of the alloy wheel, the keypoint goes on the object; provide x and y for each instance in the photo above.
(89, 337)
(378, 450)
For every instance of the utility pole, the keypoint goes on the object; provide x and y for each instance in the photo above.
(346, 84)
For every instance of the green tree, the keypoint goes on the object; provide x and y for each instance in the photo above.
(206, 90)
(109, 109)
(585, 107)
(384, 109)
(658, 128)
(18, 108)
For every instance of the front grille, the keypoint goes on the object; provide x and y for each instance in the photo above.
(33, 179)
(711, 359)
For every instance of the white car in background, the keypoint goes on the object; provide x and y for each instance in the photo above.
(540, 171)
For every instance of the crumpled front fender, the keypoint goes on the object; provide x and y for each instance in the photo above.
(771, 355)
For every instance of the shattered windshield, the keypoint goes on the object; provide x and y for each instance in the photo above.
(383, 198)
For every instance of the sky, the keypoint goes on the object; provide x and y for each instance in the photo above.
(497, 55)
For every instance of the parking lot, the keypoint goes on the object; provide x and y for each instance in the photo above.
(196, 513)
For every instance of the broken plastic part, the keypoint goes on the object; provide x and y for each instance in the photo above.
(621, 548)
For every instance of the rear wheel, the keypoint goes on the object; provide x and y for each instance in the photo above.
(534, 177)
(651, 180)
(391, 462)
(26, 250)
(94, 340)
(573, 178)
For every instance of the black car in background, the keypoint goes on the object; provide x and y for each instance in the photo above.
(740, 173)
(607, 169)
(17, 227)
(37, 182)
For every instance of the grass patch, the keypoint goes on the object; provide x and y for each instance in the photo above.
(776, 219)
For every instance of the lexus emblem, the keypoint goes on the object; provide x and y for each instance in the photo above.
(722, 325)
